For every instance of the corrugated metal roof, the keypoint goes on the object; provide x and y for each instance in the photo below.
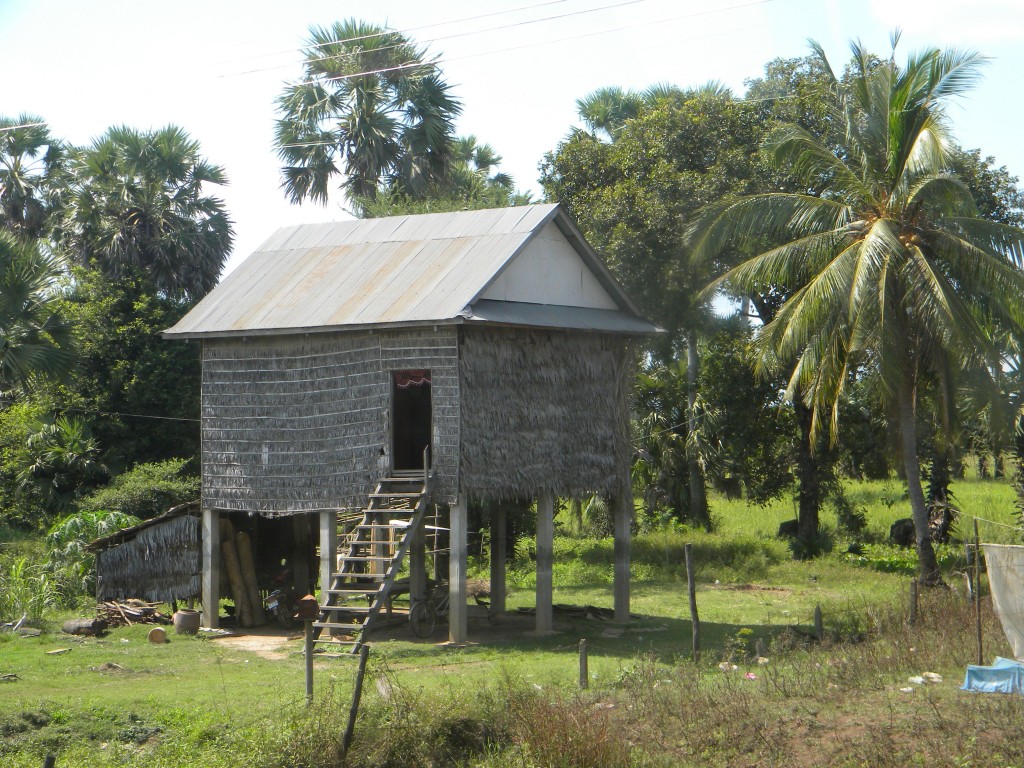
(395, 271)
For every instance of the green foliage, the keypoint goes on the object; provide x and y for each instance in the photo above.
(754, 427)
(140, 392)
(145, 491)
(69, 562)
(35, 340)
(889, 558)
(61, 461)
(362, 113)
(30, 162)
(21, 506)
(137, 204)
(26, 589)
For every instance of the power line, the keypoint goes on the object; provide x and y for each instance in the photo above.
(406, 31)
(434, 62)
(132, 415)
(23, 125)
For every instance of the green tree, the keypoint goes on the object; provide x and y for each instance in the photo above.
(371, 107)
(139, 391)
(137, 203)
(30, 162)
(891, 265)
(633, 196)
(34, 338)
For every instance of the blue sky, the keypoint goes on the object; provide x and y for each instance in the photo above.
(215, 67)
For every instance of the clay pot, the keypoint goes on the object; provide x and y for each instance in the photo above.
(186, 622)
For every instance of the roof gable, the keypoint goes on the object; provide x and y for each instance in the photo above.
(405, 270)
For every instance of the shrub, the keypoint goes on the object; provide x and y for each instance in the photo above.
(145, 491)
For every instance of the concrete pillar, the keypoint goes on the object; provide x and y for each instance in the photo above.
(328, 550)
(499, 556)
(211, 568)
(458, 544)
(545, 559)
(623, 510)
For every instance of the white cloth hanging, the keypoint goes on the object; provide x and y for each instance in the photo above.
(1005, 565)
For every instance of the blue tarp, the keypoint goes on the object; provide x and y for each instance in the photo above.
(1004, 676)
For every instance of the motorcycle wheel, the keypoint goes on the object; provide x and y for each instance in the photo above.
(282, 616)
(423, 619)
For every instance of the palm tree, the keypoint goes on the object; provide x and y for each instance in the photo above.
(29, 159)
(891, 266)
(137, 201)
(370, 106)
(34, 340)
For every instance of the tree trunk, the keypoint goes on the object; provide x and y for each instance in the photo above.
(808, 472)
(941, 512)
(698, 491)
(928, 566)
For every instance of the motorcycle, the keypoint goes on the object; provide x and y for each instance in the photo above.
(282, 602)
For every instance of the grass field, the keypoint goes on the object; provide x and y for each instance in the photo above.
(511, 698)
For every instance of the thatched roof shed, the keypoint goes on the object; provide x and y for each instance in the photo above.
(495, 340)
(156, 560)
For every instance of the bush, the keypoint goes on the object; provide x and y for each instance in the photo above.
(145, 491)
(70, 563)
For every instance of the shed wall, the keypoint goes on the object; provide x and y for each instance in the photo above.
(299, 423)
(160, 563)
(544, 411)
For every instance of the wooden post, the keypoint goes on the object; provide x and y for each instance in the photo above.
(418, 565)
(308, 649)
(457, 614)
(49, 761)
(819, 629)
(623, 512)
(301, 547)
(499, 555)
(691, 586)
(977, 589)
(584, 671)
(346, 741)
(913, 602)
(545, 561)
(211, 568)
(328, 551)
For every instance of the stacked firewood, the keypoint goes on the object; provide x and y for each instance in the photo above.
(120, 613)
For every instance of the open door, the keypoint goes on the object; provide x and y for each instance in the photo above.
(411, 425)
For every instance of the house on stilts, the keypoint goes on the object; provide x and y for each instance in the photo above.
(378, 367)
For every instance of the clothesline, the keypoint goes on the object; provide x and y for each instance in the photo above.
(1002, 525)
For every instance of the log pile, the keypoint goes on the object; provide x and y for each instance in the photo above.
(124, 613)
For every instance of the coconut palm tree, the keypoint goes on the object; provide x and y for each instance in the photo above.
(371, 107)
(29, 159)
(137, 201)
(34, 340)
(891, 265)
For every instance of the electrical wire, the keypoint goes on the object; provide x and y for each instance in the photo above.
(132, 415)
(23, 125)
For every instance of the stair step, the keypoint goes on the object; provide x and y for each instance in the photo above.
(336, 625)
(367, 591)
(353, 576)
(364, 558)
(355, 609)
(396, 494)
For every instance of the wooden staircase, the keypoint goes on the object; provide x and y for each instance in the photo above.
(370, 559)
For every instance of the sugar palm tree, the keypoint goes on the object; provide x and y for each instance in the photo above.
(34, 340)
(891, 265)
(139, 201)
(29, 159)
(371, 107)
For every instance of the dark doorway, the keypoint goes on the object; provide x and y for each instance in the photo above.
(411, 423)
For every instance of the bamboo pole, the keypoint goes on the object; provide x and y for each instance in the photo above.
(977, 589)
(248, 567)
(691, 586)
(364, 651)
(234, 571)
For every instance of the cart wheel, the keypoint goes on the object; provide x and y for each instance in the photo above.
(423, 619)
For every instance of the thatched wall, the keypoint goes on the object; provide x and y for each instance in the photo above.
(298, 423)
(162, 562)
(544, 411)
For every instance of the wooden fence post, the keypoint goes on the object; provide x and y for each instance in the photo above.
(309, 662)
(913, 602)
(691, 587)
(584, 671)
(819, 628)
(977, 589)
